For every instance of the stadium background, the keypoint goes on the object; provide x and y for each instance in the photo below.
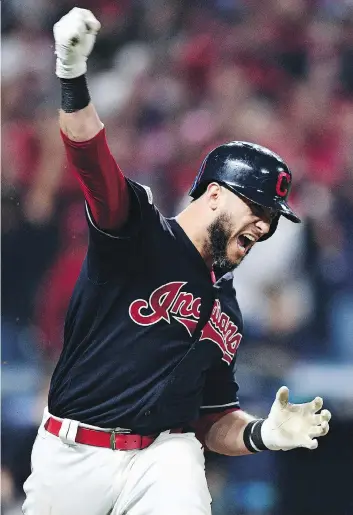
(171, 79)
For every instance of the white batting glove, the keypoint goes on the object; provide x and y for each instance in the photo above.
(75, 35)
(294, 425)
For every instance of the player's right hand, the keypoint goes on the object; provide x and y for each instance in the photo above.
(75, 35)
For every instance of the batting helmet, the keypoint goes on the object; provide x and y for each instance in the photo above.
(251, 171)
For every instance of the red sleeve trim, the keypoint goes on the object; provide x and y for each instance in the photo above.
(101, 180)
(205, 422)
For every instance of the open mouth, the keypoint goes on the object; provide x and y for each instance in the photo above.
(246, 241)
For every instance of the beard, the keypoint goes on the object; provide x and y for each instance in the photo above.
(219, 234)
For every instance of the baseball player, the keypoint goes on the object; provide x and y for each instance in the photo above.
(153, 326)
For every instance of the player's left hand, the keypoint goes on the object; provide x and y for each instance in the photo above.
(294, 425)
(75, 35)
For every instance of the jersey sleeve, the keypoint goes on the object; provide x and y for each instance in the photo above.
(116, 253)
(116, 208)
(221, 389)
(142, 212)
(220, 397)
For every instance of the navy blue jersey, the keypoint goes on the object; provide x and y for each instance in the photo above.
(149, 340)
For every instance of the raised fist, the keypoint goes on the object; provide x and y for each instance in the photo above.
(75, 35)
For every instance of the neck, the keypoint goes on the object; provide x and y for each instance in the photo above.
(193, 223)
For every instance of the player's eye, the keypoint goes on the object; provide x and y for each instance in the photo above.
(262, 212)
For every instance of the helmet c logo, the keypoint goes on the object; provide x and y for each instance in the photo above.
(282, 185)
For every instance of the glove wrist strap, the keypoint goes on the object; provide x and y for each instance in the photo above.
(74, 94)
(252, 436)
(65, 70)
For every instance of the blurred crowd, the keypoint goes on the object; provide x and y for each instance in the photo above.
(171, 79)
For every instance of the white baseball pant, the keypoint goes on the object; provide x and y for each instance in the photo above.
(166, 478)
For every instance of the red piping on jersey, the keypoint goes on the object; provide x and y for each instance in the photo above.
(101, 180)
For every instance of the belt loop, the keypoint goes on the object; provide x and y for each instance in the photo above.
(112, 440)
(46, 416)
(68, 431)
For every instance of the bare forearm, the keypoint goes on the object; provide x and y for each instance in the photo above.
(288, 426)
(226, 435)
(81, 125)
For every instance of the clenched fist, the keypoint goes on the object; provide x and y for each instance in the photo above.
(75, 35)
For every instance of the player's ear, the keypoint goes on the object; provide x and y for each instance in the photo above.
(213, 195)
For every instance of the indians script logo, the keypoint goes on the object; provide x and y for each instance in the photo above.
(169, 301)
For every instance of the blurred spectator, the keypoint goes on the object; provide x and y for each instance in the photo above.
(55, 290)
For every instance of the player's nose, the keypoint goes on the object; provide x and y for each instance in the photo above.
(263, 226)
